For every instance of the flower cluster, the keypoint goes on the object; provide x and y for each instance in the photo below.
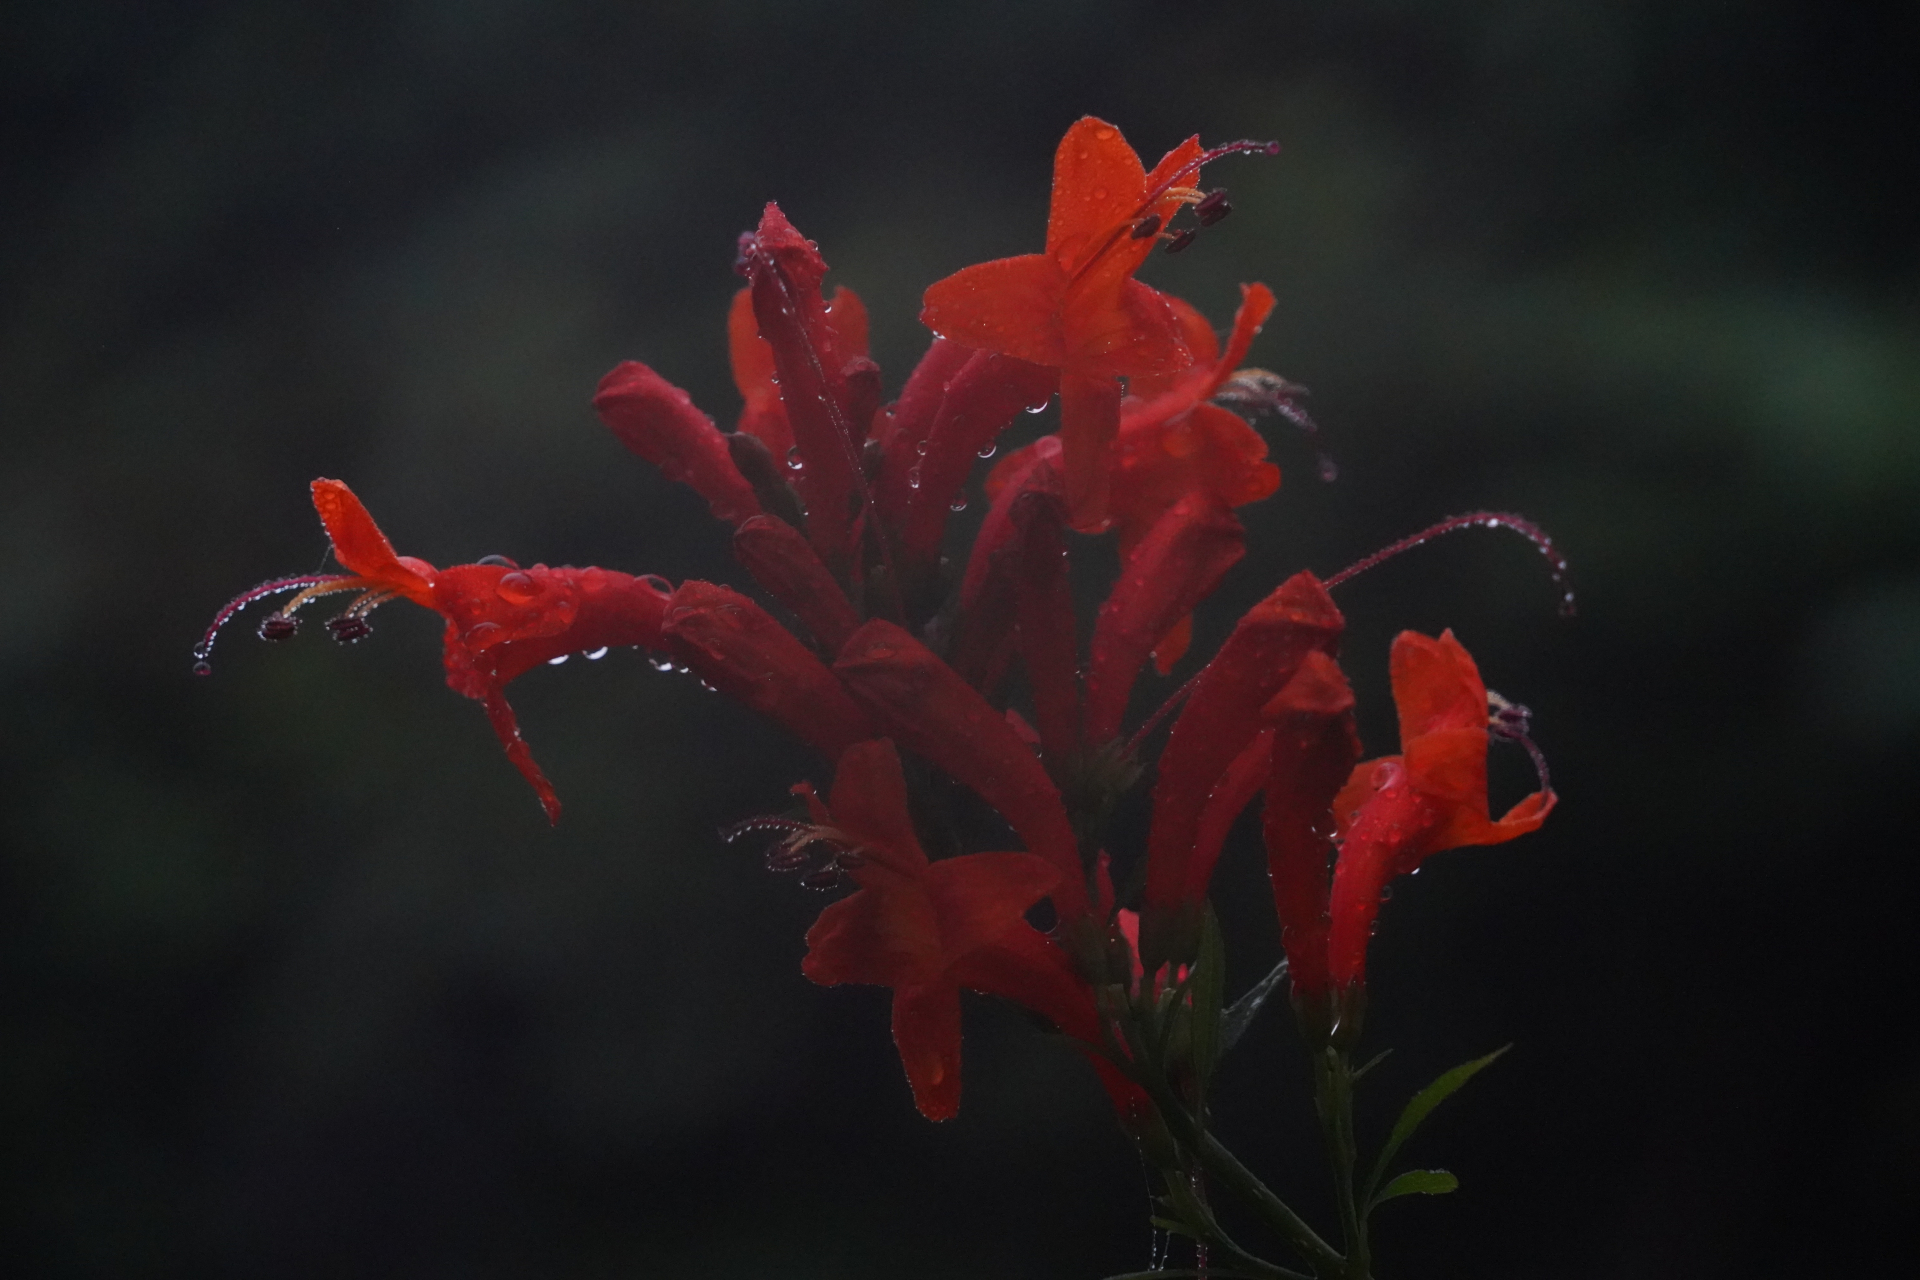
(903, 667)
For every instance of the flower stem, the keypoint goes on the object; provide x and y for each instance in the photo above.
(1333, 1101)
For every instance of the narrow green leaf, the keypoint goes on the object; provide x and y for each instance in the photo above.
(1208, 990)
(1239, 1015)
(1418, 1182)
(1420, 1107)
(1371, 1063)
(1175, 1226)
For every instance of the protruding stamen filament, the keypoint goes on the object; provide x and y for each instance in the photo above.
(1511, 722)
(306, 584)
(823, 854)
(1475, 519)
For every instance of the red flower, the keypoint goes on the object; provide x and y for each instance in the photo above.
(925, 929)
(1076, 308)
(504, 620)
(1391, 814)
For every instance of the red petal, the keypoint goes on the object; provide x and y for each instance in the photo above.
(978, 897)
(752, 362)
(363, 549)
(1136, 332)
(1222, 715)
(926, 1030)
(1098, 183)
(1230, 796)
(875, 937)
(870, 800)
(735, 646)
(981, 400)
(1174, 568)
(1314, 750)
(1256, 304)
(785, 270)
(1009, 305)
(1048, 637)
(658, 421)
(1394, 820)
(782, 561)
(929, 709)
(507, 729)
(1435, 685)
(1089, 420)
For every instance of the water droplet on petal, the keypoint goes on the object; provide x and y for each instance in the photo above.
(660, 664)
(986, 450)
(957, 505)
(516, 588)
(794, 461)
(203, 668)
(913, 478)
(594, 655)
(554, 662)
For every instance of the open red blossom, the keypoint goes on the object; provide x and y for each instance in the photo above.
(1077, 308)
(502, 620)
(1394, 812)
(921, 927)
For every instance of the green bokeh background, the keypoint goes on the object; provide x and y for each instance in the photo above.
(298, 982)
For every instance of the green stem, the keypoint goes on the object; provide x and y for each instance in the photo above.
(1333, 1101)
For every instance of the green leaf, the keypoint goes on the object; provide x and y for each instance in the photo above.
(1418, 1182)
(1419, 1108)
(1176, 1227)
(1208, 990)
(1239, 1015)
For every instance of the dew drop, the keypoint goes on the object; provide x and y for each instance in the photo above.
(203, 668)
(660, 664)
(1041, 407)
(957, 505)
(987, 450)
(794, 461)
(913, 478)
(516, 588)
(920, 450)
(1327, 468)
(658, 583)
(554, 662)
(594, 655)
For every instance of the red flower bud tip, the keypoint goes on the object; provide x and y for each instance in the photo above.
(1556, 562)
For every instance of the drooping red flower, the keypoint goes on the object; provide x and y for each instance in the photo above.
(915, 925)
(1076, 307)
(1387, 815)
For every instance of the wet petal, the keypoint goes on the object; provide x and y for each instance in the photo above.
(658, 421)
(361, 547)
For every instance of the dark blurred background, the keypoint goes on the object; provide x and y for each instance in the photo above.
(297, 981)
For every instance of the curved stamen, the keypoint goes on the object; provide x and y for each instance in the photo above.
(306, 583)
(1511, 722)
(1527, 529)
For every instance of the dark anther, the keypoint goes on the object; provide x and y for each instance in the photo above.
(827, 877)
(1181, 240)
(502, 561)
(278, 626)
(349, 627)
(1147, 226)
(1212, 207)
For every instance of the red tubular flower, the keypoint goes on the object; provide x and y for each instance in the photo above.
(1172, 568)
(928, 455)
(1076, 308)
(658, 421)
(927, 707)
(921, 928)
(1396, 811)
(1314, 750)
(751, 357)
(1223, 716)
(780, 559)
(736, 646)
(502, 620)
(829, 394)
